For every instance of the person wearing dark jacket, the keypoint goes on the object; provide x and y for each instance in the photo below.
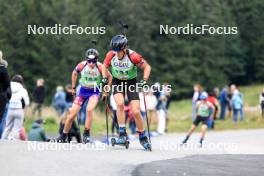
(38, 97)
(224, 102)
(5, 90)
(74, 131)
(36, 132)
(69, 97)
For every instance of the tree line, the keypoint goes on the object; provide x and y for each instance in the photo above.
(180, 60)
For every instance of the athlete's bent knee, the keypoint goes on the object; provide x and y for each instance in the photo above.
(120, 106)
(72, 114)
(136, 112)
(89, 111)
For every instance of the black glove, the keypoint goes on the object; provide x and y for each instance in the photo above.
(73, 92)
(105, 81)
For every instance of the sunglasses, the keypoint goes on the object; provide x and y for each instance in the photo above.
(94, 61)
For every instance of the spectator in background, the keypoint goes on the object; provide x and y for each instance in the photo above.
(151, 103)
(69, 96)
(168, 94)
(196, 94)
(15, 116)
(156, 92)
(216, 92)
(142, 104)
(38, 97)
(36, 132)
(59, 101)
(161, 112)
(213, 99)
(5, 91)
(224, 102)
(261, 101)
(167, 91)
(231, 90)
(22, 134)
(237, 105)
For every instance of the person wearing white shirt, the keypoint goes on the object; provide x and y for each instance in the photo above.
(17, 103)
(151, 103)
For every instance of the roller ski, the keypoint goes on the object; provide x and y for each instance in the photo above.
(122, 140)
(86, 137)
(184, 142)
(63, 138)
(143, 139)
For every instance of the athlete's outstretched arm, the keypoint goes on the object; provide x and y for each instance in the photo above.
(147, 69)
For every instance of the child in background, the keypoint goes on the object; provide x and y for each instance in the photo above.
(15, 115)
(237, 105)
(37, 132)
(59, 101)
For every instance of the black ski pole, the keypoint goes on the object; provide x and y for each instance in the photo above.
(146, 117)
(106, 120)
(124, 27)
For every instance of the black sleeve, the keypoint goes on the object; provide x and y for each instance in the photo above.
(34, 92)
(5, 82)
(43, 94)
(23, 103)
(8, 93)
(5, 79)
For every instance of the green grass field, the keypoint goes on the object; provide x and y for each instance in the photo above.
(179, 116)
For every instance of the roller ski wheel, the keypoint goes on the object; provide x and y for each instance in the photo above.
(147, 146)
(122, 141)
(86, 139)
(145, 143)
(127, 144)
(60, 139)
(113, 141)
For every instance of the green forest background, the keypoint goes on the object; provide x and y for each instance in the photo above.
(181, 60)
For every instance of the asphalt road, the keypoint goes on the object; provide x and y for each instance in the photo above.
(205, 165)
(48, 159)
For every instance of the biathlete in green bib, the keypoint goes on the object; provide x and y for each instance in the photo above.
(123, 63)
(90, 71)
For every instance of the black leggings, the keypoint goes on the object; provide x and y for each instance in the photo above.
(126, 87)
(2, 106)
